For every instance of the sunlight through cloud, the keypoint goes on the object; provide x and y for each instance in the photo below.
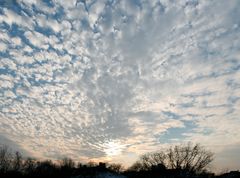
(113, 147)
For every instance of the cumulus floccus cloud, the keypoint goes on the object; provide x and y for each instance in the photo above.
(84, 77)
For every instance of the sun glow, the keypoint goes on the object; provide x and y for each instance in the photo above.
(113, 148)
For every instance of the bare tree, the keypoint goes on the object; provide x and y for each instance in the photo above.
(5, 158)
(91, 164)
(29, 165)
(149, 160)
(17, 162)
(115, 167)
(192, 158)
(67, 163)
(137, 166)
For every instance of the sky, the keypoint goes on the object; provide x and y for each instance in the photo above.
(113, 79)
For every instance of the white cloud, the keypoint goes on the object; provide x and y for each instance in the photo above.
(37, 39)
(6, 84)
(27, 49)
(53, 24)
(9, 94)
(110, 72)
(5, 62)
(11, 17)
(3, 35)
(16, 41)
(3, 46)
(69, 4)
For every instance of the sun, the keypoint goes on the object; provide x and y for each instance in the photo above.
(113, 147)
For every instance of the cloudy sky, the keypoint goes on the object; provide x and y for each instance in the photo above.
(110, 80)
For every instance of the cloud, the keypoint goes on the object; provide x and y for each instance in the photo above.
(79, 77)
(52, 24)
(228, 153)
(3, 46)
(10, 17)
(37, 39)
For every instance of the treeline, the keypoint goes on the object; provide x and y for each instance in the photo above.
(179, 161)
(12, 164)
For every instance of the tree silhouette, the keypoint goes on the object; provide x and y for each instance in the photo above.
(67, 163)
(17, 162)
(180, 161)
(190, 158)
(29, 165)
(46, 169)
(115, 167)
(5, 159)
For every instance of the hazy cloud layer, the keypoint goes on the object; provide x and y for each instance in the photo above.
(113, 79)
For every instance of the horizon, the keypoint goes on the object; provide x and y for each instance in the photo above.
(10, 154)
(110, 80)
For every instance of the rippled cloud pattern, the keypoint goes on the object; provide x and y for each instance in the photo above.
(110, 80)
